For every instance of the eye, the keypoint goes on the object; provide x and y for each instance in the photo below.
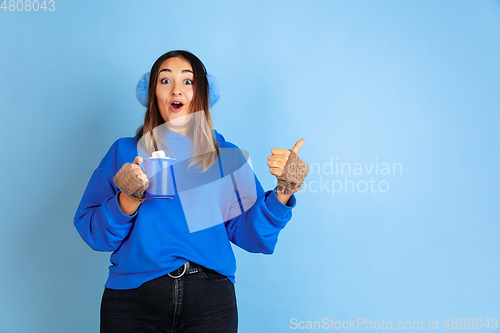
(165, 81)
(188, 81)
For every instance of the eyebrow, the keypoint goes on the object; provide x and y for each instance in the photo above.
(183, 71)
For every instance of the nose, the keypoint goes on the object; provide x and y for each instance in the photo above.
(176, 90)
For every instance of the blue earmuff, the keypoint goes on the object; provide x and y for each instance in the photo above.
(142, 90)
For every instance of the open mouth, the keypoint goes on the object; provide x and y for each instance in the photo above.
(176, 106)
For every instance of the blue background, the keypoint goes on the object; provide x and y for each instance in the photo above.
(409, 82)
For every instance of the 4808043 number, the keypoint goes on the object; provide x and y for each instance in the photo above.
(471, 323)
(28, 5)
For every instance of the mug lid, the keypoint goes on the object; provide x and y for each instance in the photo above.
(159, 154)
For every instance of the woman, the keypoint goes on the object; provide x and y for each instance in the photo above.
(172, 264)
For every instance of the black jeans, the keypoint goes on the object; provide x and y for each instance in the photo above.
(200, 302)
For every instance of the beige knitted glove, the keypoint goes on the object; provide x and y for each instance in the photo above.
(294, 173)
(129, 184)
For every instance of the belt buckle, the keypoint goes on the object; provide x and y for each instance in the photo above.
(186, 265)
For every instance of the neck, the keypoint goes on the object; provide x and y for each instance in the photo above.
(182, 130)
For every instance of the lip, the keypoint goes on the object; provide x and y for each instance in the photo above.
(176, 110)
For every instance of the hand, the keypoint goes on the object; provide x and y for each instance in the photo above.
(290, 174)
(279, 156)
(137, 170)
(132, 182)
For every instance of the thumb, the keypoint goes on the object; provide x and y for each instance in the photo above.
(298, 145)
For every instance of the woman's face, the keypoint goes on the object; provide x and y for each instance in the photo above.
(174, 90)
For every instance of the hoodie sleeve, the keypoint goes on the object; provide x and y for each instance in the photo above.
(256, 230)
(99, 219)
(261, 216)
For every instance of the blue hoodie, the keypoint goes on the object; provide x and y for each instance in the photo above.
(157, 239)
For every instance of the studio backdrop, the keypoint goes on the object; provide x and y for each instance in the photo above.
(396, 226)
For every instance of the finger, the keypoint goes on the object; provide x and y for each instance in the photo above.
(139, 174)
(137, 170)
(138, 160)
(280, 151)
(276, 164)
(276, 171)
(277, 157)
(298, 145)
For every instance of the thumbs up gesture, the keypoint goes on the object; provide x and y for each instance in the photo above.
(288, 168)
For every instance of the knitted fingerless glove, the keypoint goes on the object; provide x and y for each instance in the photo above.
(129, 184)
(294, 173)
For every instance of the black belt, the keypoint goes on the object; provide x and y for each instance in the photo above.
(188, 268)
